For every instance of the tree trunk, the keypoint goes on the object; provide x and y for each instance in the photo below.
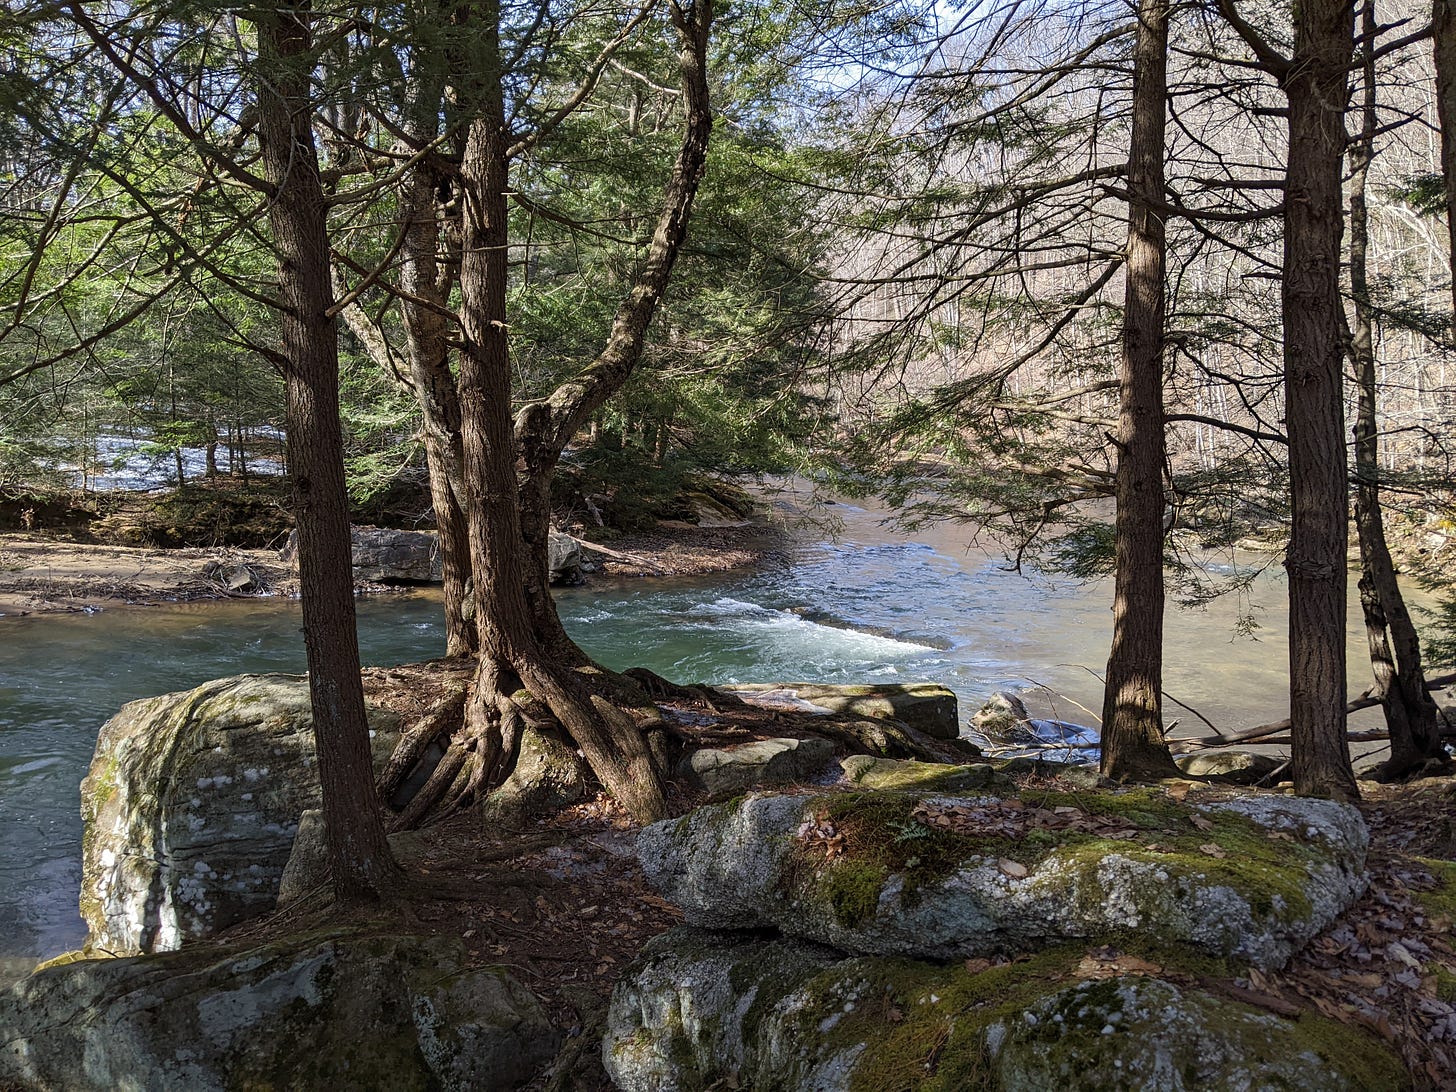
(1443, 27)
(1132, 711)
(544, 428)
(1400, 682)
(1317, 87)
(511, 658)
(427, 330)
(359, 855)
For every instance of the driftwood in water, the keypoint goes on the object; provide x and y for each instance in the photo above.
(1264, 732)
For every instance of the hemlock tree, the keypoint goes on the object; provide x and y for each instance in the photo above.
(1132, 712)
(147, 48)
(1411, 716)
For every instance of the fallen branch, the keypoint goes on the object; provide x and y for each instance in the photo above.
(1263, 731)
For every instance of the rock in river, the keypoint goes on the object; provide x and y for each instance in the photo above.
(325, 1010)
(191, 805)
(939, 876)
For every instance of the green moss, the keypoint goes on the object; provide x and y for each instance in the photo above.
(852, 889)
(1445, 984)
(1439, 902)
(925, 1027)
(1368, 1064)
(882, 838)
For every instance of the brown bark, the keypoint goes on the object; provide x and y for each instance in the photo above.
(359, 855)
(511, 656)
(427, 331)
(545, 427)
(1443, 34)
(1316, 84)
(1395, 653)
(1133, 746)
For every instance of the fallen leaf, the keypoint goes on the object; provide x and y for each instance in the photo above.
(1213, 850)
(1179, 792)
(1014, 869)
(976, 966)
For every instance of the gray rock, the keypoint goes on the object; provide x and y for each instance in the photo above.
(1238, 767)
(324, 1010)
(928, 707)
(728, 771)
(549, 775)
(870, 772)
(384, 555)
(1004, 716)
(564, 559)
(1278, 872)
(699, 1010)
(191, 805)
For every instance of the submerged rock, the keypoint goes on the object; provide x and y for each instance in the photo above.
(323, 1010)
(943, 877)
(191, 805)
(727, 771)
(699, 1010)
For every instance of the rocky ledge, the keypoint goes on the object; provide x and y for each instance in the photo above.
(712, 1010)
(331, 1009)
(941, 876)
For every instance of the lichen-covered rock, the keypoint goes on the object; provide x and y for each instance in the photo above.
(927, 707)
(191, 805)
(699, 1010)
(329, 1010)
(728, 771)
(944, 877)
(1238, 767)
(870, 772)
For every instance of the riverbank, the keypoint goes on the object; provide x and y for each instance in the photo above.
(44, 575)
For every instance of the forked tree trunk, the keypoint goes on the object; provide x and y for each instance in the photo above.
(515, 671)
(1395, 651)
(359, 855)
(1132, 712)
(427, 330)
(1317, 86)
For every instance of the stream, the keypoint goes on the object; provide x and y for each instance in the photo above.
(869, 606)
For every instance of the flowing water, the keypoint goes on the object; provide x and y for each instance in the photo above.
(869, 606)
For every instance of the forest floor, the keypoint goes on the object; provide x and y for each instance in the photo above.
(564, 906)
(43, 574)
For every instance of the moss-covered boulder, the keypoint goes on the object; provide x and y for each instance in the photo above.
(871, 772)
(762, 763)
(940, 876)
(701, 1010)
(928, 707)
(328, 1010)
(191, 805)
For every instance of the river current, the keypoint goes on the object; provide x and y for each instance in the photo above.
(870, 605)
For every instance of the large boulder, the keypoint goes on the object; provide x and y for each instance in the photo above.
(928, 707)
(945, 877)
(702, 1010)
(324, 1010)
(728, 771)
(384, 555)
(564, 562)
(191, 805)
